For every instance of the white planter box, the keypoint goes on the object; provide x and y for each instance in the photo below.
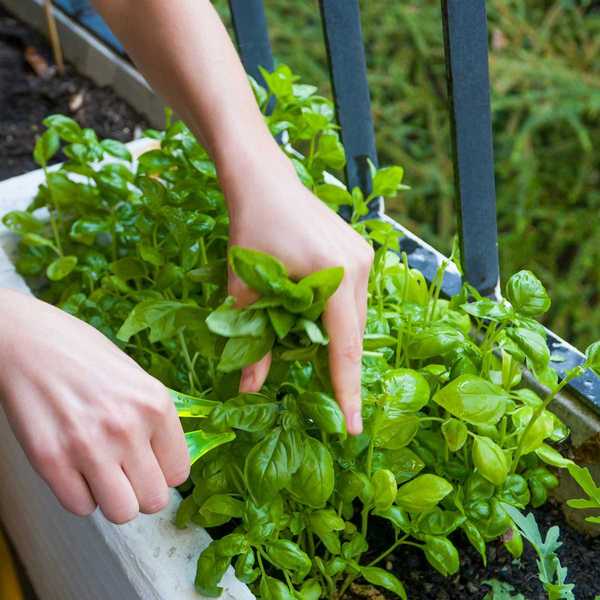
(70, 558)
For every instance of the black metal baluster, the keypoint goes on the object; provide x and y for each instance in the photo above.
(466, 48)
(250, 26)
(348, 69)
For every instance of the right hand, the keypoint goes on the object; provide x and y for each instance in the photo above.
(93, 423)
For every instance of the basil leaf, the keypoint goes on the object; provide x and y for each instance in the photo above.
(258, 270)
(441, 554)
(61, 267)
(423, 493)
(313, 482)
(473, 399)
(239, 352)
(192, 406)
(384, 579)
(201, 442)
(527, 294)
(455, 433)
(229, 321)
(323, 410)
(116, 149)
(385, 489)
(407, 390)
(248, 412)
(287, 555)
(490, 460)
(271, 463)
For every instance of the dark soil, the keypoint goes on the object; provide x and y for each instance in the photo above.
(579, 553)
(26, 98)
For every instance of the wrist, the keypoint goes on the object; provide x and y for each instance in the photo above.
(260, 164)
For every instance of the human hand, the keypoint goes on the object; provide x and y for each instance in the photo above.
(93, 423)
(271, 211)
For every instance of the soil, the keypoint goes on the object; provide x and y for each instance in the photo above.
(26, 97)
(579, 553)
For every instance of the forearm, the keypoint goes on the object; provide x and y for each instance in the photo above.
(184, 51)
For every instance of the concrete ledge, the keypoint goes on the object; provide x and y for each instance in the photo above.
(69, 558)
(93, 58)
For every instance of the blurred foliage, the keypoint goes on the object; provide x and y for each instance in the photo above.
(545, 72)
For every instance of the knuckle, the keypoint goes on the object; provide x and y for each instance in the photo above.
(81, 507)
(118, 427)
(119, 515)
(45, 457)
(351, 350)
(179, 475)
(155, 503)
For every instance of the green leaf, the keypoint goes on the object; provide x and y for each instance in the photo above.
(423, 493)
(20, 222)
(384, 579)
(273, 589)
(288, 556)
(67, 128)
(553, 457)
(313, 331)
(326, 523)
(397, 516)
(473, 399)
(490, 460)
(532, 344)
(323, 410)
(403, 462)
(271, 463)
(85, 230)
(407, 390)
(258, 270)
(61, 267)
(248, 412)
(384, 484)
(240, 352)
(455, 433)
(201, 442)
(128, 268)
(387, 181)
(331, 151)
(192, 406)
(393, 431)
(437, 340)
(34, 239)
(229, 321)
(158, 315)
(592, 355)
(441, 554)
(281, 320)
(501, 591)
(527, 294)
(116, 149)
(46, 146)
(313, 482)
(333, 195)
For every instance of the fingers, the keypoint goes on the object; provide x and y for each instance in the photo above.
(146, 478)
(345, 354)
(254, 376)
(71, 490)
(113, 492)
(170, 449)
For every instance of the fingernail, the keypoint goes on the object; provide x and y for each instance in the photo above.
(356, 423)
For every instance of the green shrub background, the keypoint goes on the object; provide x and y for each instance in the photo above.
(545, 72)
